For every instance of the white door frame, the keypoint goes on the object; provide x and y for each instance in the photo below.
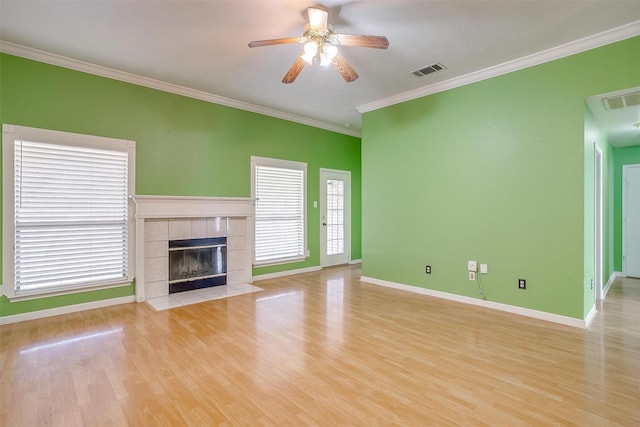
(598, 220)
(625, 239)
(326, 261)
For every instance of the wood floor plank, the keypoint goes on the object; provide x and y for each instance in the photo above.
(323, 349)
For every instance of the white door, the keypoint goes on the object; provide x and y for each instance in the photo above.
(335, 217)
(631, 220)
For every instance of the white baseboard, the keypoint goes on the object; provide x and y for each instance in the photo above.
(286, 273)
(612, 278)
(355, 261)
(31, 315)
(590, 316)
(542, 315)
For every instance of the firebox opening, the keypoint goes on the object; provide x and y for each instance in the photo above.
(197, 263)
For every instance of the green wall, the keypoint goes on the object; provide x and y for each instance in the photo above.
(621, 156)
(495, 172)
(184, 146)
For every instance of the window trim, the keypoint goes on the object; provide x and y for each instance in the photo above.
(11, 133)
(284, 164)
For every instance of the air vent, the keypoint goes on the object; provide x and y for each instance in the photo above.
(622, 101)
(428, 70)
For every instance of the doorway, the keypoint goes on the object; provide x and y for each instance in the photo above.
(335, 217)
(631, 220)
(598, 222)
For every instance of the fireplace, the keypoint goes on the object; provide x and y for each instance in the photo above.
(197, 263)
(160, 219)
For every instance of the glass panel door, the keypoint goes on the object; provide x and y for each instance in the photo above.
(334, 217)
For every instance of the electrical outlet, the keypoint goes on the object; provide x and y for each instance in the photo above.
(522, 284)
(472, 266)
(472, 275)
(484, 268)
(427, 269)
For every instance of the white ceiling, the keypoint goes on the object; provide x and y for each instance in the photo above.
(201, 46)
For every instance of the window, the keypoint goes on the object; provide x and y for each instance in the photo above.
(65, 211)
(279, 187)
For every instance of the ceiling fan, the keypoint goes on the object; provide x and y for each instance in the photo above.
(321, 46)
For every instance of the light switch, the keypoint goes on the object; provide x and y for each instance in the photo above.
(484, 268)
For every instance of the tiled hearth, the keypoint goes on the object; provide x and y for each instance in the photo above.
(160, 219)
(200, 295)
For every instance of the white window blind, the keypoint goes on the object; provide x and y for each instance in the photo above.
(280, 220)
(71, 216)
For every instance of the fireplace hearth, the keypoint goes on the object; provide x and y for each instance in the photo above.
(197, 263)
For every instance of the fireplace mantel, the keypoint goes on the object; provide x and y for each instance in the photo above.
(156, 207)
(191, 206)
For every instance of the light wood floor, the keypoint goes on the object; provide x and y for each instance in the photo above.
(323, 349)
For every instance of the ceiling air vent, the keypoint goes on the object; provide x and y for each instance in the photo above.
(622, 101)
(428, 70)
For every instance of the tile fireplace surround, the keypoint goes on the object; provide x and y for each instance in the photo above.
(163, 218)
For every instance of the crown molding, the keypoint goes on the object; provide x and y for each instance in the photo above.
(586, 43)
(98, 70)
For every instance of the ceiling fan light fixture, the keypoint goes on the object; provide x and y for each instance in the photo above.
(310, 51)
(324, 60)
(329, 52)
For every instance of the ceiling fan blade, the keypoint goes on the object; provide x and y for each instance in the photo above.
(295, 69)
(317, 19)
(376, 42)
(259, 43)
(345, 70)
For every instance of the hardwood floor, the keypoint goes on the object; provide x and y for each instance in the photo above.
(323, 349)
